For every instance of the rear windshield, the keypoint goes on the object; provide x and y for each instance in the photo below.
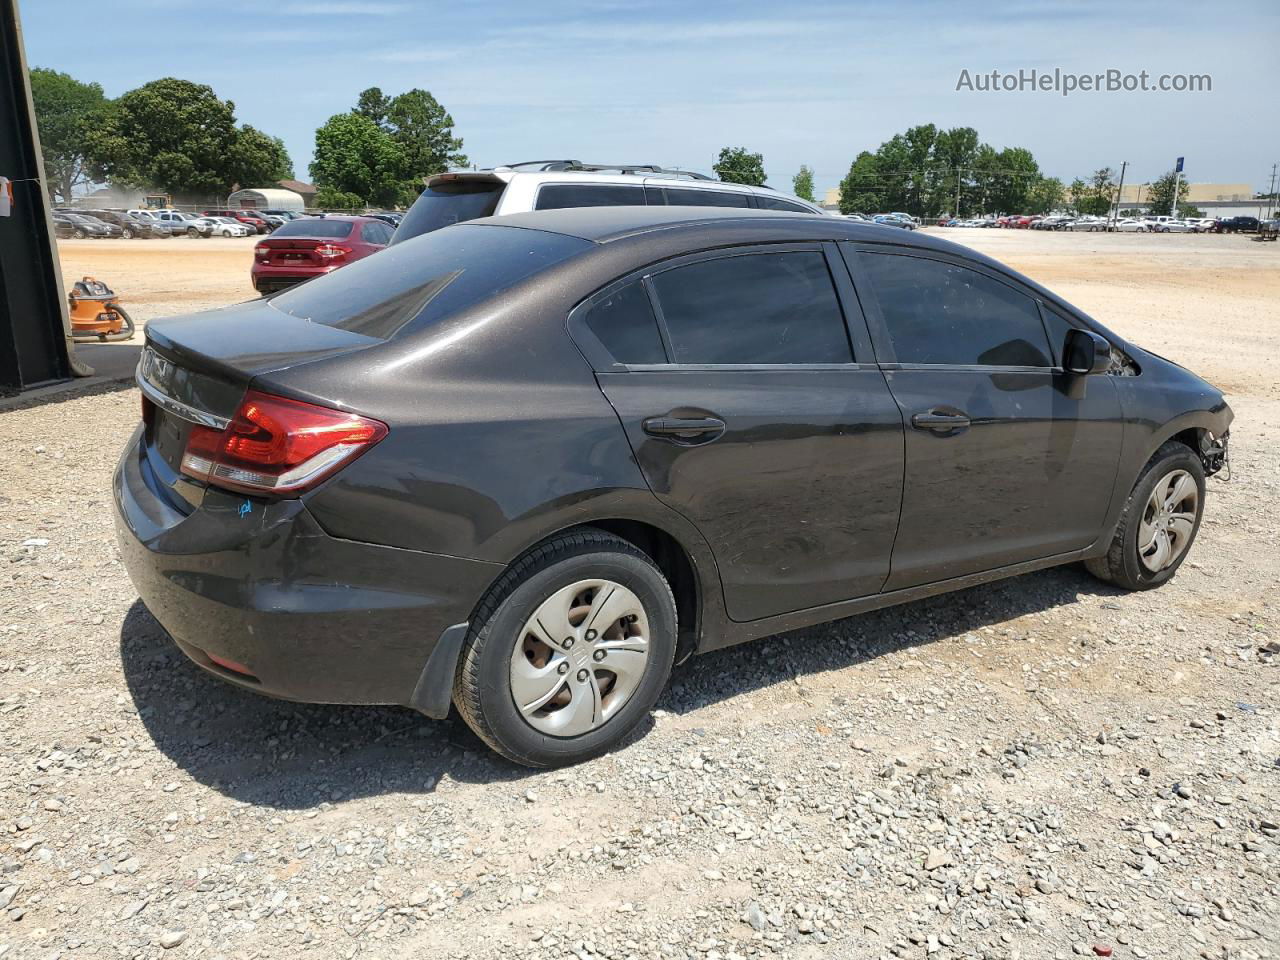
(313, 227)
(443, 204)
(412, 285)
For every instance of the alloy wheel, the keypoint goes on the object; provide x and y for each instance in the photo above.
(579, 657)
(1168, 520)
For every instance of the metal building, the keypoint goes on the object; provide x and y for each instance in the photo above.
(266, 198)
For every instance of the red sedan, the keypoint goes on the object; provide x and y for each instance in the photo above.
(306, 248)
(249, 218)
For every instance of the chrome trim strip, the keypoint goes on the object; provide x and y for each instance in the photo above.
(178, 408)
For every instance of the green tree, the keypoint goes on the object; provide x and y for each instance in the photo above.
(179, 136)
(860, 190)
(926, 170)
(424, 131)
(1045, 195)
(66, 110)
(259, 159)
(373, 103)
(736, 165)
(354, 155)
(328, 198)
(1161, 196)
(802, 184)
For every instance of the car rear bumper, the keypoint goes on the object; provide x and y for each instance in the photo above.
(269, 277)
(257, 593)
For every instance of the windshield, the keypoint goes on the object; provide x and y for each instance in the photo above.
(453, 201)
(314, 228)
(412, 285)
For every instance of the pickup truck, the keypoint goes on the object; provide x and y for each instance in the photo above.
(1237, 225)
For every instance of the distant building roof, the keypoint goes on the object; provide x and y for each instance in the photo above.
(297, 186)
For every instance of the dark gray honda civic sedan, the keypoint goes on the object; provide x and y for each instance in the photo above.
(524, 465)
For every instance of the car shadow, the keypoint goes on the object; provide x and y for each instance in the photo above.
(292, 756)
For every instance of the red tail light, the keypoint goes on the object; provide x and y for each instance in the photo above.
(277, 445)
(262, 252)
(331, 251)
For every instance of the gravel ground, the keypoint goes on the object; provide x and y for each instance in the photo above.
(1037, 768)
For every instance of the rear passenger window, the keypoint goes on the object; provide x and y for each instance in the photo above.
(941, 313)
(755, 308)
(775, 203)
(624, 323)
(692, 197)
(558, 196)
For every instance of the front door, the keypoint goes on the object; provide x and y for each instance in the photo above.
(757, 424)
(1008, 458)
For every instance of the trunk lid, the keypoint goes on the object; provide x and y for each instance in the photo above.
(195, 370)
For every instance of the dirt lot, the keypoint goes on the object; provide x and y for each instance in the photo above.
(1036, 768)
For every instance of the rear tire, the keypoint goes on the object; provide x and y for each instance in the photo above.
(1151, 542)
(582, 708)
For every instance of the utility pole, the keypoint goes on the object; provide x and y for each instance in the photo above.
(957, 214)
(1271, 193)
(1177, 174)
(1115, 211)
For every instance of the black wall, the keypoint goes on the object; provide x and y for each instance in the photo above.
(33, 347)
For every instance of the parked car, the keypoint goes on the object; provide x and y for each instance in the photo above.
(130, 226)
(1236, 225)
(63, 228)
(555, 184)
(82, 226)
(525, 465)
(391, 219)
(227, 227)
(1132, 225)
(894, 220)
(285, 215)
(1201, 224)
(1087, 224)
(1175, 226)
(187, 223)
(303, 249)
(1268, 229)
(250, 218)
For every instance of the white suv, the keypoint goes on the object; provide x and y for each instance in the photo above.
(553, 184)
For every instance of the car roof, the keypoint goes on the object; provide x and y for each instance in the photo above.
(606, 224)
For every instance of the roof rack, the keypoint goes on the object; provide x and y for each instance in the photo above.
(578, 166)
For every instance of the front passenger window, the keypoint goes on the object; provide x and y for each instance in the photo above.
(941, 313)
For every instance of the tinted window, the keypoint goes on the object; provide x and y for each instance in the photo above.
(692, 197)
(625, 324)
(557, 196)
(418, 283)
(775, 203)
(314, 227)
(758, 308)
(938, 312)
(454, 201)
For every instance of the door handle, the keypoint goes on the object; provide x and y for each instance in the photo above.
(941, 421)
(687, 430)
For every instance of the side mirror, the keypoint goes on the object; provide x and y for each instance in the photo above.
(1086, 352)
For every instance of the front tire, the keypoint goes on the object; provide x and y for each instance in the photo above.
(1159, 523)
(568, 652)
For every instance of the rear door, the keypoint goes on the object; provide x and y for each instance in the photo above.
(753, 409)
(1008, 458)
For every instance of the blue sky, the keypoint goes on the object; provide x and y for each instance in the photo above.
(672, 82)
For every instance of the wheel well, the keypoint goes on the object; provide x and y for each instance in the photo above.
(1190, 437)
(672, 559)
